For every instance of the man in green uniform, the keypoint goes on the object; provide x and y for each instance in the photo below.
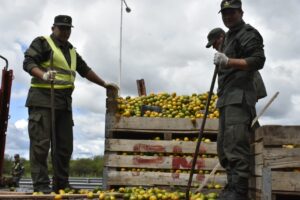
(243, 55)
(17, 170)
(53, 62)
(216, 39)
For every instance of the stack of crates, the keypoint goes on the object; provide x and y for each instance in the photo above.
(276, 157)
(157, 152)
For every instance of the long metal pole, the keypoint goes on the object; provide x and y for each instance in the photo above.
(187, 194)
(120, 53)
(53, 127)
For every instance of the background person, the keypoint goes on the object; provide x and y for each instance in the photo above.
(17, 170)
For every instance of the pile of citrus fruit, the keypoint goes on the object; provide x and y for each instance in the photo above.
(132, 193)
(170, 106)
(139, 193)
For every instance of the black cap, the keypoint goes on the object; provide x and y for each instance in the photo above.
(17, 156)
(63, 20)
(213, 35)
(226, 4)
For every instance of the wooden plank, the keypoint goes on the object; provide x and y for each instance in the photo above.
(51, 196)
(105, 178)
(282, 158)
(163, 123)
(278, 135)
(266, 184)
(158, 146)
(162, 131)
(141, 87)
(258, 147)
(109, 122)
(259, 159)
(159, 178)
(158, 162)
(6, 192)
(286, 181)
(282, 181)
(106, 169)
(288, 193)
(258, 170)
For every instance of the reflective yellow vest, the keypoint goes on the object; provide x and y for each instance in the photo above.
(65, 76)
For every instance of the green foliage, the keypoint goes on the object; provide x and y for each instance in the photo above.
(7, 164)
(81, 167)
(87, 167)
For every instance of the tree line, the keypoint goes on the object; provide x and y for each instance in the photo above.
(80, 167)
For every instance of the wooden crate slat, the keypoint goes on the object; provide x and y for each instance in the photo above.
(258, 170)
(258, 147)
(163, 123)
(161, 146)
(282, 181)
(281, 157)
(161, 131)
(279, 135)
(286, 181)
(259, 160)
(24, 196)
(159, 178)
(158, 162)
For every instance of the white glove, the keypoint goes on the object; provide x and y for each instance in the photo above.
(111, 85)
(49, 75)
(221, 59)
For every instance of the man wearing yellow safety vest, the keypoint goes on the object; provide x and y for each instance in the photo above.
(53, 62)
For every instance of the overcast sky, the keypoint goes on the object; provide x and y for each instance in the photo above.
(163, 42)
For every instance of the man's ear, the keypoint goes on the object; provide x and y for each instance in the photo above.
(242, 12)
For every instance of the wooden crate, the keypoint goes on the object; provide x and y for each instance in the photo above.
(133, 157)
(276, 169)
(137, 149)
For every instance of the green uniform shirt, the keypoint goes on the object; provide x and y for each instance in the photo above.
(243, 41)
(17, 169)
(40, 51)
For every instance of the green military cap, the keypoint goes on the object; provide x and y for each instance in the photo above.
(213, 35)
(63, 20)
(226, 4)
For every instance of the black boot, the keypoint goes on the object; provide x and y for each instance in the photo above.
(227, 189)
(239, 189)
(225, 192)
(42, 188)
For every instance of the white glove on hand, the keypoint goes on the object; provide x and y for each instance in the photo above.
(111, 85)
(49, 75)
(221, 59)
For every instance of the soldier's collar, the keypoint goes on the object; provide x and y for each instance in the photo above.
(237, 27)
